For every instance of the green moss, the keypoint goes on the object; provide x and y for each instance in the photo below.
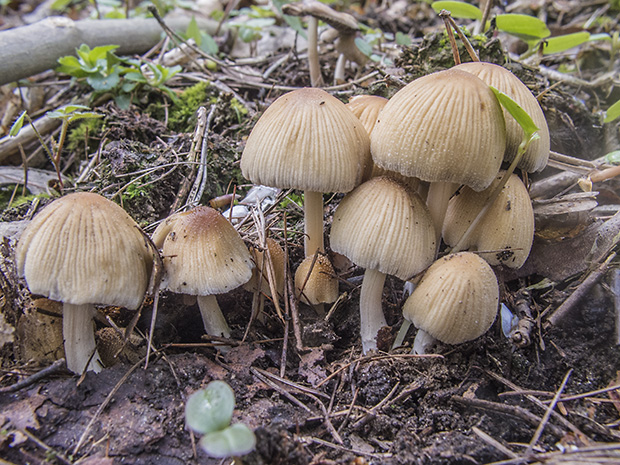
(84, 130)
(182, 114)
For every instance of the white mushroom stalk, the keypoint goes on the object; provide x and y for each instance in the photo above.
(79, 335)
(371, 311)
(212, 317)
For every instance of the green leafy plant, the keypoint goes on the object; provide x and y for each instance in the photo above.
(528, 28)
(612, 113)
(105, 72)
(209, 412)
(252, 22)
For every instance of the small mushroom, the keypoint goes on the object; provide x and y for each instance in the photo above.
(505, 233)
(456, 301)
(318, 285)
(386, 229)
(83, 249)
(203, 255)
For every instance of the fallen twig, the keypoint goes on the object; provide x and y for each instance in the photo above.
(55, 367)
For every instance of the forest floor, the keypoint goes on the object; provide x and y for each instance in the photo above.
(549, 397)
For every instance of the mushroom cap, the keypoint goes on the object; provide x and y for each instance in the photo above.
(367, 108)
(384, 226)
(202, 252)
(456, 300)
(322, 285)
(447, 126)
(307, 140)
(83, 248)
(507, 229)
(277, 258)
(536, 156)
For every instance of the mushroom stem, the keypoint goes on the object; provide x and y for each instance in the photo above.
(313, 220)
(316, 80)
(371, 311)
(422, 342)
(212, 316)
(79, 336)
(439, 194)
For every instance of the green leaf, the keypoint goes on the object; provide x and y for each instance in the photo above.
(123, 101)
(65, 111)
(18, 124)
(565, 42)
(209, 45)
(210, 409)
(612, 113)
(402, 39)
(523, 26)
(518, 113)
(193, 31)
(363, 46)
(613, 157)
(101, 83)
(458, 9)
(235, 440)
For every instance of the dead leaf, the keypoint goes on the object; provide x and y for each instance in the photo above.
(310, 366)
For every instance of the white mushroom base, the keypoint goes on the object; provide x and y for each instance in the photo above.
(79, 338)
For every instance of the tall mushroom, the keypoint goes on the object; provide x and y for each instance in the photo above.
(308, 140)
(83, 249)
(203, 255)
(386, 229)
(446, 128)
(536, 156)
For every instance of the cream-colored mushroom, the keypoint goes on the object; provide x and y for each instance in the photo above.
(456, 301)
(83, 249)
(203, 255)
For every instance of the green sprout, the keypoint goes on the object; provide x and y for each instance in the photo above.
(209, 412)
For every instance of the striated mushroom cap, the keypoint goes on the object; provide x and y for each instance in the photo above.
(536, 156)
(321, 286)
(383, 226)
(456, 300)
(507, 229)
(83, 248)
(277, 258)
(308, 140)
(367, 108)
(202, 252)
(447, 126)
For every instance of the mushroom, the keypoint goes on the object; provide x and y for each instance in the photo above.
(444, 128)
(308, 140)
(83, 249)
(317, 285)
(203, 255)
(505, 233)
(387, 229)
(537, 154)
(456, 301)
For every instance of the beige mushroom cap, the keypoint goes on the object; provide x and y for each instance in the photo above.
(536, 156)
(507, 229)
(83, 248)
(367, 108)
(456, 300)
(277, 259)
(307, 140)
(384, 226)
(321, 286)
(202, 252)
(447, 126)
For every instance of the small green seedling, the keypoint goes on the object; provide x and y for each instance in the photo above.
(209, 412)
(612, 113)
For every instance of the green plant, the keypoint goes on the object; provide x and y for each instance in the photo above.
(252, 22)
(104, 72)
(612, 113)
(528, 28)
(209, 412)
